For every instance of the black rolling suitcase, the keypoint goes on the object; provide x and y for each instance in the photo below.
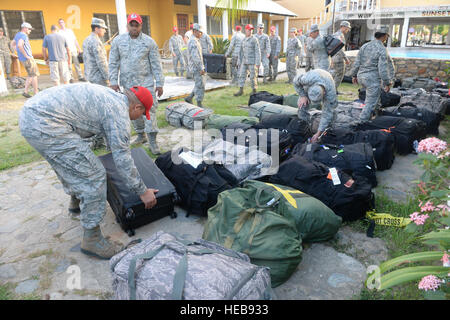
(126, 205)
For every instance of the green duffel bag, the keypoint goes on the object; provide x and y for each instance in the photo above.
(218, 121)
(263, 108)
(246, 220)
(291, 100)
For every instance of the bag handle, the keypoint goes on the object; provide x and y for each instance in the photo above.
(259, 191)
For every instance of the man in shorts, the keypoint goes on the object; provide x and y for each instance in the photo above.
(58, 57)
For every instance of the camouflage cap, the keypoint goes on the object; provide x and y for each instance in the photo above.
(197, 27)
(260, 25)
(293, 30)
(98, 23)
(346, 24)
(382, 29)
(314, 28)
(315, 94)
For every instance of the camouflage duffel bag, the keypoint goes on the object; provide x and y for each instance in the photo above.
(181, 114)
(165, 267)
(263, 108)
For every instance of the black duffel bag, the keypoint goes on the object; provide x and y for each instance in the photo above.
(388, 99)
(215, 63)
(432, 120)
(249, 136)
(405, 130)
(354, 159)
(265, 96)
(382, 142)
(333, 45)
(198, 187)
(348, 197)
(299, 129)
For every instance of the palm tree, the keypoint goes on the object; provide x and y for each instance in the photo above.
(235, 8)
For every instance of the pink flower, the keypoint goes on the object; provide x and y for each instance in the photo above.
(434, 146)
(430, 283)
(428, 207)
(445, 260)
(419, 219)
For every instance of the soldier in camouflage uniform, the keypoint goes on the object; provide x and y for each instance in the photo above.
(94, 54)
(196, 66)
(294, 49)
(316, 87)
(301, 37)
(373, 68)
(339, 60)
(176, 43)
(136, 56)
(206, 43)
(275, 49)
(319, 52)
(249, 60)
(187, 36)
(56, 121)
(5, 53)
(264, 46)
(309, 63)
(234, 49)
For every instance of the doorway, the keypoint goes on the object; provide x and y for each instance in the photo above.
(182, 23)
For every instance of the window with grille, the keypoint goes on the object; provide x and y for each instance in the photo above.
(12, 20)
(183, 2)
(113, 27)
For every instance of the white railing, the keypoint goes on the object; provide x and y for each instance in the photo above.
(343, 6)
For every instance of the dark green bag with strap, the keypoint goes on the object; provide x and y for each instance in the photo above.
(219, 121)
(291, 100)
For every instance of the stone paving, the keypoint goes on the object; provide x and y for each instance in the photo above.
(39, 243)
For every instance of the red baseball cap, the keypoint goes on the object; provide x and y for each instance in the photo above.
(273, 28)
(249, 27)
(238, 28)
(175, 29)
(134, 17)
(145, 97)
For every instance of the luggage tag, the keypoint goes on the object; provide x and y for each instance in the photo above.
(308, 147)
(325, 147)
(271, 202)
(335, 177)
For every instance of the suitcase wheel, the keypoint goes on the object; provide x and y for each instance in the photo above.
(131, 233)
(173, 215)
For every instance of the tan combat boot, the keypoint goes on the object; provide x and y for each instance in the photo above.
(240, 92)
(152, 143)
(141, 138)
(94, 244)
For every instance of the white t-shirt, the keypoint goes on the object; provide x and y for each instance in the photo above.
(70, 38)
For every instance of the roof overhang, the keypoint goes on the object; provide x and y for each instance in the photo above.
(259, 6)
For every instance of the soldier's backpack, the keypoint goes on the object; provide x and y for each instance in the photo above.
(332, 44)
(166, 267)
(252, 219)
(431, 101)
(179, 114)
(350, 198)
(407, 92)
(266, 97)
(17, 82)
(266, 140)
(388, 99)
(431, 119)
(418, 82)
(354, 159)
(216, 121)
(263, 108)
(128, 208)
(405, 130)
(198, 186)
(351, 109)
(341, 120)
(291, 100)
(215, 63)
(382, 142)
(299, 129)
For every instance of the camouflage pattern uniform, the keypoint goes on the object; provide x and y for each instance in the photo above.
(293, 50)
(206, 43)
(196, 66)
(303, 83)
(309, 63)
(5, 55)
(338, 70)
(275, 49)
(234, 49)
(302, 40)
(176, 43)
(373, 67)
(249, 59)
(320, 54)
(139, 64)
(264, 46)
(187, 36)
(55, 122)
(95, 60)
